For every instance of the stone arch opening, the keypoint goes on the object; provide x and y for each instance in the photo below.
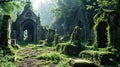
(28, 25)
(102, 34)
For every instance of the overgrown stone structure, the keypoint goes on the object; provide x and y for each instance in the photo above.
(107, 38)
(27, 21)
(5, 39)
(73, 47)
(107, 28)
(76, 34)
(50, 36)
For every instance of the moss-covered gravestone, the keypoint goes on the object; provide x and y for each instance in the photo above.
(5, 40)
(76, 35)
(74, 46)
(50, 36)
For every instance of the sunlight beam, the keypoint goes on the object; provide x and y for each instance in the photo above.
(36, 3)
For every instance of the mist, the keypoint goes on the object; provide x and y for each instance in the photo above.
(43, 8)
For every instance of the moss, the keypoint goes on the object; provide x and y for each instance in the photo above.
(108, 36)
(69, 48)
(76, 35)
(61, 46)
(54, 56)
(72, 50)
(56, 39)
(98, 57)
(64, 63)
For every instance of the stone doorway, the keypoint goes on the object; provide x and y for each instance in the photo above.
(28, 30)
(102, 34)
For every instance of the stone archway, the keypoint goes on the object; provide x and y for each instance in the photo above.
(29, 21)
(28, 25)
(102, 34)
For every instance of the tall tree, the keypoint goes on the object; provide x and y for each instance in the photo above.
(10, 7)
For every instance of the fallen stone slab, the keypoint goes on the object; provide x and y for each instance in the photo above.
(82, 63)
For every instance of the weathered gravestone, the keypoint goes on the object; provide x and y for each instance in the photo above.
(76, 35)
(74, 46)
(50, 36)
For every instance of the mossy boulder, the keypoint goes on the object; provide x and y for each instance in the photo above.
(72, 50)
(98, 57)
(72, 47)
(69, 49)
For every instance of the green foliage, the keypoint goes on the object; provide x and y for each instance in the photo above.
(98, 57)
(69, 48)
(7, 61)
(54, 56)
(104, 3)
(7, 64)
(65, 63)
(66, 15)
(11, 8)
(89, 7)
(61, 47)
(109, 4)
(72, 50)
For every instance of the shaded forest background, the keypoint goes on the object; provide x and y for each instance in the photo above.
(68, 18)
(63, 16)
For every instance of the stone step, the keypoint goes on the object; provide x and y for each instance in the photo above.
(82, 63)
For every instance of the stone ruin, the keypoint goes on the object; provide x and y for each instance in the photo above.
(56, 39)
(50, 36)
(73, 47)
(107, 29)
(107, 38)
(5, 39)
(114, 29)
(76, 34)
(27, 21)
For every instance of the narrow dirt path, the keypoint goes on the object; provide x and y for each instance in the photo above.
(29, 54)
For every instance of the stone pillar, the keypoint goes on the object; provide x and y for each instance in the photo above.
(114, 29)
(5, 33)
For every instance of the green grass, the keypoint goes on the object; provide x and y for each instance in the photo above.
(54, 56)
(64, 63)
(7, 61)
